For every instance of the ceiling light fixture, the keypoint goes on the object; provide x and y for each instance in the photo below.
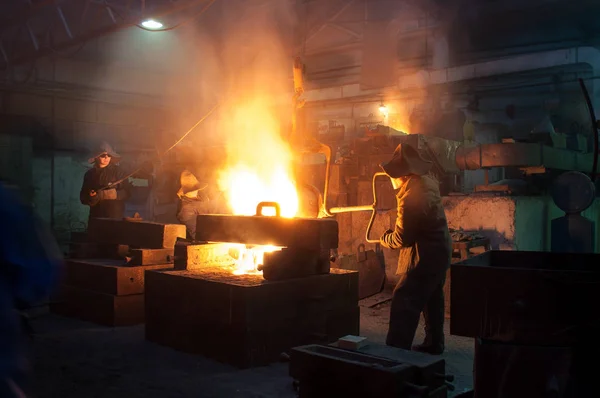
(152, 24)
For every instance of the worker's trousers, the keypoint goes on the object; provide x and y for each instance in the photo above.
(189, 211)
(14, 360)
(418, 290)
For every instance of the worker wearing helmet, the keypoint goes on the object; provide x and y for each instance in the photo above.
(421, 234)
(193, 201)
(105, 203)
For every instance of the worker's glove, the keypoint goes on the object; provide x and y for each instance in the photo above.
(108, 194)
(94, 198)
(386, 237)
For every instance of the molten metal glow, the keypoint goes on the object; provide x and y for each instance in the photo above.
(259, 170)
(247, 188)
(248, 259)
(260, 163)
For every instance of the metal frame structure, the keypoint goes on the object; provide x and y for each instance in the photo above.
(31, 29)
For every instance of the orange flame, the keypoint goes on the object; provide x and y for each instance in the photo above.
(260, 170)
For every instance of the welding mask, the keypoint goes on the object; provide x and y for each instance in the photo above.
(405, 161)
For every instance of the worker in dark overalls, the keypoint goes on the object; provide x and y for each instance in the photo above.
(421, 234)
(193, 200)
(105, 203)
(30, 267)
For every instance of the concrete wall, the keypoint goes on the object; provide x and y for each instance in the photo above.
(511, 223)
(131, 88)
(491, 216)
(57, 183)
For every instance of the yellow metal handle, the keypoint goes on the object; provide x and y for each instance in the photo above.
(273, 205)
(372, 208)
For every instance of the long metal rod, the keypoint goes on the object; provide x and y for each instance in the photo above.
(112, 184)
(348, 209)
(592, 115)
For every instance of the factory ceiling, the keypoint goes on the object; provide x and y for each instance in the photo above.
(33, 29)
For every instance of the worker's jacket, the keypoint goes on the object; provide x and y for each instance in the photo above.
(421, 231)
(30, 268)
(97, 178)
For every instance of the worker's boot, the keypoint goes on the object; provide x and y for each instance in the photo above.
(433, 343)
(433, 349)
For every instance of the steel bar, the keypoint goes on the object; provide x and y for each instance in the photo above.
(64, 22)
(347, 209)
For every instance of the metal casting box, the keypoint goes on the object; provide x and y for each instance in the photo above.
(521, 297)
(245, 320)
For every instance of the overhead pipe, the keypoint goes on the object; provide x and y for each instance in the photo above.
(520, 63)
(521, 155)
(502, 66)
(594, 126)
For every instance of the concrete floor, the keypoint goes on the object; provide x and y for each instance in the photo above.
(78, 359)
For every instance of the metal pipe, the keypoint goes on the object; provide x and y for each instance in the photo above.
(347, 209)
(592, 115)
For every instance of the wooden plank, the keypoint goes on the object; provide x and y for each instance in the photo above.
(307, 233)
(136, 234)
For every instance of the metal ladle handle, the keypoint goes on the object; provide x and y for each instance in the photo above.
(274, 205)
(372, 208)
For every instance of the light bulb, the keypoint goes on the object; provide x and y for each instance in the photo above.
(152, 24)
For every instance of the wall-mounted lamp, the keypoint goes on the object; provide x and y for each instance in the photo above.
(383, 109)
(152, 24)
